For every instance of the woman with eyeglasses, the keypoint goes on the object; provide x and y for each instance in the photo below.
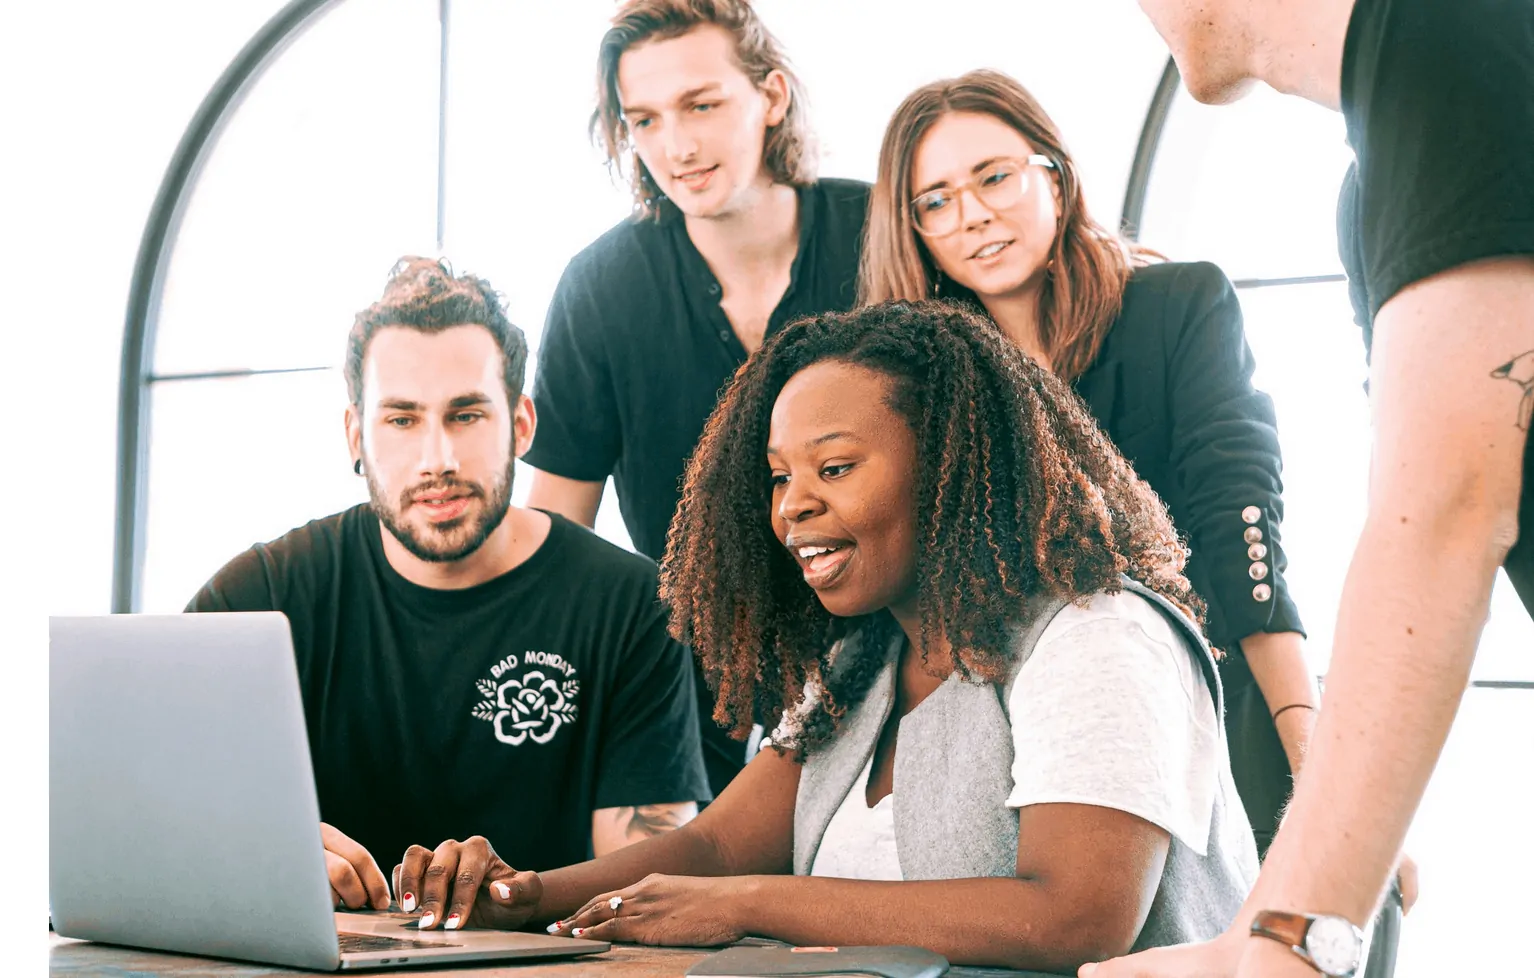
(978, 200)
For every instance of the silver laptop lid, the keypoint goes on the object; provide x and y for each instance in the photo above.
(182, 807)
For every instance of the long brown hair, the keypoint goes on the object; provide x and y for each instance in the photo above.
(1084, 288)
(1018, 493)
(789, 150)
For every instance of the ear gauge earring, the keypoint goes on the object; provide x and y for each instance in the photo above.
(357, 466)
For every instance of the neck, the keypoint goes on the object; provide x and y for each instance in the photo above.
(939, 661)
(763, 234)
(1017, 315)
(1298, 47)
(520, 534)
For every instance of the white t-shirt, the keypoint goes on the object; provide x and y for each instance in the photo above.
(1110, 710)
(859, 842)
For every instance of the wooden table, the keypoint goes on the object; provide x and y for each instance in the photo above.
(81, 959)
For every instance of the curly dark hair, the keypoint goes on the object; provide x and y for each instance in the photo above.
(1021, 496)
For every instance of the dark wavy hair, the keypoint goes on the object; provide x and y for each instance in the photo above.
(1018, 495)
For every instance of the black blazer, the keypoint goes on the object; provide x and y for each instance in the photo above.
(1172, 387)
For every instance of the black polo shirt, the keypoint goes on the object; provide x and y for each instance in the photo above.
(636, 350)
(1439, 103)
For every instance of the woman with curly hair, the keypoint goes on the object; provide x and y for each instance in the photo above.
(1000, 735)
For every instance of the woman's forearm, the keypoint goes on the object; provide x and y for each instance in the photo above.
(997, 922)
(1277, 661)
(685, 852)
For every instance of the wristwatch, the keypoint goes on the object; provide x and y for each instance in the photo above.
(1330, 944)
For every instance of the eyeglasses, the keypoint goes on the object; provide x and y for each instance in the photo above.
(999, 185)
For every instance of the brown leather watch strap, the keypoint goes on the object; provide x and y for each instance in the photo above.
(1286, 928)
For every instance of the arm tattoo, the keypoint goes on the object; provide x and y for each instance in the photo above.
(1520, 370)
(644, 821)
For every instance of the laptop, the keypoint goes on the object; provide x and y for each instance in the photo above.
(182, 808)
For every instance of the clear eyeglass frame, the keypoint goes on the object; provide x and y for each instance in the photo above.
(986, 195)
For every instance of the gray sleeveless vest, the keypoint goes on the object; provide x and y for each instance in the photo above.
(954, 772)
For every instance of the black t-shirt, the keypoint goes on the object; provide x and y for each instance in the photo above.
(1439, 103)
(636, 350)
(511, 710)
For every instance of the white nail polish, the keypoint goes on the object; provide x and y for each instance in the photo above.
(452, 922)
(553, 928)
(503, 891)
(408, 904)
(427, 920)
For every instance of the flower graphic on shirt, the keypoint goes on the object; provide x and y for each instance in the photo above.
(533, 706)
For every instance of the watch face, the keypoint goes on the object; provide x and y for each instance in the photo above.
(1334, 944)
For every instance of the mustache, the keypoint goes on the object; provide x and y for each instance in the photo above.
(460, 487)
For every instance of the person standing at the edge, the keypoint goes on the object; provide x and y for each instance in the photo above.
(1436, 229)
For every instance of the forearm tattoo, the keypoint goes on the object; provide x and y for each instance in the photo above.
(644, 821)
(1520, 370)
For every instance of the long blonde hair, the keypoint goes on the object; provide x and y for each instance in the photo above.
(1089, 265)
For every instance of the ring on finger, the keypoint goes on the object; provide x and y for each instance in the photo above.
(615, 902)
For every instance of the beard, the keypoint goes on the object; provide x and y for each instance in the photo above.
(450, 540)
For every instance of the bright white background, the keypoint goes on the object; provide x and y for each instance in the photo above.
(327, 174)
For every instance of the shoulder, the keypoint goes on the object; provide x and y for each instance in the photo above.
(1193, 282)
(601, 566)
(1125, 614)
(844, 193)
(1439, 104)
(1118, 644)
(622, 247)
(1175, 299)
(265, 574)
(844, 209)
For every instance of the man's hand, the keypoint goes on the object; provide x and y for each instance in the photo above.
(355, 879)
(1229, 955)
(1218, 958)
(467, 879)
(676, 911)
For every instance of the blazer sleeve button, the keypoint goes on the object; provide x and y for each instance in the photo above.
(1262, 592)
(1251, 514)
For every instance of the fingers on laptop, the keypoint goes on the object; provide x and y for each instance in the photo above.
(355, 878)
(462, 884)
(348, 887)
(448, 880)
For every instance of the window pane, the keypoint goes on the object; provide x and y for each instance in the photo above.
(1251, 186)
(324, 176)
(1468, 838)
(1310, 359)
(234, 462)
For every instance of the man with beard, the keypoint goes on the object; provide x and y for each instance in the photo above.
(468, 667)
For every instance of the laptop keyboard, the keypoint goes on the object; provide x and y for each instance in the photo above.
(356, 943)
